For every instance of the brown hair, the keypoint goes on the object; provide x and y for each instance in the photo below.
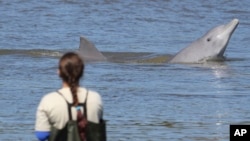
(71, 69)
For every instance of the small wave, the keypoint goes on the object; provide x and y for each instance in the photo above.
(32, 52)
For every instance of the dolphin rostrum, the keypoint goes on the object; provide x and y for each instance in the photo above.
(210, 46)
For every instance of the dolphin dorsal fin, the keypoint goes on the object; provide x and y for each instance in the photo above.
(89, 52)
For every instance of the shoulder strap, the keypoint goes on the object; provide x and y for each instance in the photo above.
(68, 104)
(85, 106)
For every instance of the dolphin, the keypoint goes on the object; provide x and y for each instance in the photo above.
(210, 46)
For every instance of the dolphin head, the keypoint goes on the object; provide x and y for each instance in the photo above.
(210, 46)
(218, 38)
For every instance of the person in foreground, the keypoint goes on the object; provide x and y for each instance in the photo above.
(53, 109)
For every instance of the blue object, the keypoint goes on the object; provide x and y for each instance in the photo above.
(78, 107)
(42, 135)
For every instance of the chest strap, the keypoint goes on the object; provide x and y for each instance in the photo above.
(78, 106)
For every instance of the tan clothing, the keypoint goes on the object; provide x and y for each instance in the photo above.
(53, 111)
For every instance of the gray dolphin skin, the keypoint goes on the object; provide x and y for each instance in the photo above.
(89, 52)
(210, 46)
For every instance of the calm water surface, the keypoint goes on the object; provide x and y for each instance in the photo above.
(142, 101)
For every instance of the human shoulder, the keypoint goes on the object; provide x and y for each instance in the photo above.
(50, 99)
(92, 95)
(50, 95)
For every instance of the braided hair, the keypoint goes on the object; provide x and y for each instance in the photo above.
(71, 68)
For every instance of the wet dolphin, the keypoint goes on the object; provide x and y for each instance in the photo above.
(89, 52)
(211, 46)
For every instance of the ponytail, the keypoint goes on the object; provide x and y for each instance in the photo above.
(73, 89)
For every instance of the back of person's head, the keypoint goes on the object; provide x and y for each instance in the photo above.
(71, 68)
